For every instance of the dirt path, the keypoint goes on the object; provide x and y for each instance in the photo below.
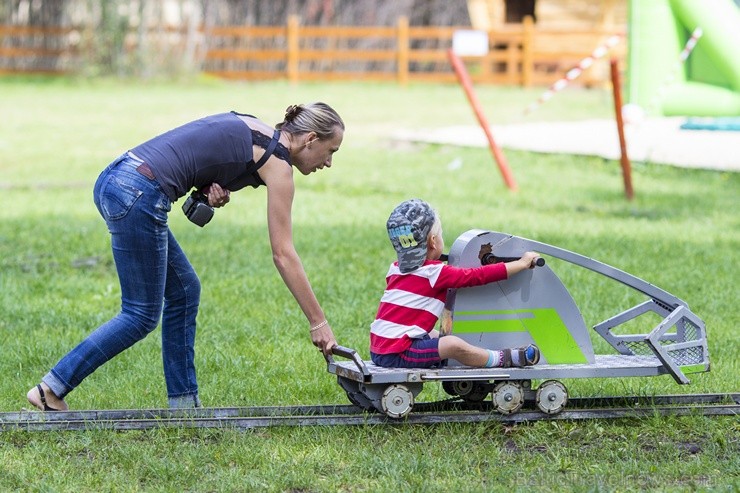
(659, 140)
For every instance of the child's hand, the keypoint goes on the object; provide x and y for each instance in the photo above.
(526, 262)
(529, 259)
(445, 327)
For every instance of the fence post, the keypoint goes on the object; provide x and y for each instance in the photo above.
(513, 57)
(403, 50)
(293, 48)
(485, 62)
(527, 51)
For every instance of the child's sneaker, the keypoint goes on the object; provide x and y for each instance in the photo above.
(520, 357)
(531, 355)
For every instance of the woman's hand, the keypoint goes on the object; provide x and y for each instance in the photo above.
(217, 196)
(323, 338)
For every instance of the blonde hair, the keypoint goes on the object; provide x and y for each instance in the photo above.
(314, 117)
(436, 229)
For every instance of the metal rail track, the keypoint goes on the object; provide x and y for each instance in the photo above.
(450, 411)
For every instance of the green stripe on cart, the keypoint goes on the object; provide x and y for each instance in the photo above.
(544, 325)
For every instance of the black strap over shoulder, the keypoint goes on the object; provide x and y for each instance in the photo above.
(270, 149)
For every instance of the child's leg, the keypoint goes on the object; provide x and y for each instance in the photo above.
(467, 354)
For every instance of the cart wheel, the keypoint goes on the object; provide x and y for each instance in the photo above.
(354, 394)
(469, 390)
(508, 397)
(397, 401)
(552, 396)
(449, 387)
(360, 400)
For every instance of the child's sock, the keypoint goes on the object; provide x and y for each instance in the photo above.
(495, 359)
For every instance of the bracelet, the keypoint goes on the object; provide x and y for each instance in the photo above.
(317, 327)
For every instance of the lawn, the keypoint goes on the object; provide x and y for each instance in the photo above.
(57, 283)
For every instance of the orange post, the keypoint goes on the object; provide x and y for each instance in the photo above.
(464, 78)
(624, 158)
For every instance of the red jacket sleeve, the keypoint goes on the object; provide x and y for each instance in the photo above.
(456, 277)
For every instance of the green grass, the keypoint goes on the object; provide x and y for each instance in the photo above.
(57, 283)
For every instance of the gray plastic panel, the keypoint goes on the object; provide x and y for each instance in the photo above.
(517, 298)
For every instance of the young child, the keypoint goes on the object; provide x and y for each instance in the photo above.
(403, 333)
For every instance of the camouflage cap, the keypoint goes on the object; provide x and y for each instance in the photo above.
(408, 228)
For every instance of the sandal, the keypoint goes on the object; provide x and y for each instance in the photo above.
(529, 356)
(532, 353)
(42, 396)
(521, 357)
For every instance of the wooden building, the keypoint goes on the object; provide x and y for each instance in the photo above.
(549, 14)
(565, 30)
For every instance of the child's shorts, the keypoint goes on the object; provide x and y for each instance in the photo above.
(423, 353)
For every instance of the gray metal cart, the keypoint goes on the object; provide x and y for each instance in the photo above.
(534, 307)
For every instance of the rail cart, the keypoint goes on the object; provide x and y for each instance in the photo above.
(534, 307)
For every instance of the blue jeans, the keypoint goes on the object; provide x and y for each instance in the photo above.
(157, 281)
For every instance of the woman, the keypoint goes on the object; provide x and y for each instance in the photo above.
(216, 155)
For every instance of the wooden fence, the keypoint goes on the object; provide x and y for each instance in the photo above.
(518, 55)
(35, 49)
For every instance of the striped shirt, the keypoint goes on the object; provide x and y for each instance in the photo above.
(413, 302)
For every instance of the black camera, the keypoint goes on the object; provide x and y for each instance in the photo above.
(196, 208)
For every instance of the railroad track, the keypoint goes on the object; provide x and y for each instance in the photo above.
(449, 411)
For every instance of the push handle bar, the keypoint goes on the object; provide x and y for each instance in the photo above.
(348, 353)
(490, 258)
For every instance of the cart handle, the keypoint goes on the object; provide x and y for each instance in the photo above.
(490, 258)
(349, 354)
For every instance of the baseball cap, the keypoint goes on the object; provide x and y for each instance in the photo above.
(408, 228)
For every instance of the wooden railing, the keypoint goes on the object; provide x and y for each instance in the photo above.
(35, 49)
(518, 55)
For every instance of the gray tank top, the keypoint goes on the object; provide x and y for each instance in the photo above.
(214, 149)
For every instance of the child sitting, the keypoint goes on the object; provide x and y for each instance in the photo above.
(403, 333)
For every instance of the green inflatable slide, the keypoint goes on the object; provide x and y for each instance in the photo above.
(708, 83)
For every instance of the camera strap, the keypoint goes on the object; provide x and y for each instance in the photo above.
(270, 149)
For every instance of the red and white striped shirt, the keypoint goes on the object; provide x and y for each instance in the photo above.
(413, 302)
